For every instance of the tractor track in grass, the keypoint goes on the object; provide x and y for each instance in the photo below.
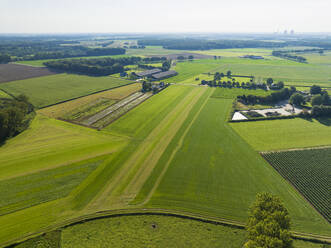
(179, 145)
(148, 150)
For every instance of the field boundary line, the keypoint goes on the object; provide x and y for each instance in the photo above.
(160, 212)
(179, 145)
(297, 149)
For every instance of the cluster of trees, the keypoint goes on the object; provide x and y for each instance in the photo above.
(165, 66)
(321, 102)
(231, 82)
(13, 116)
(275, 86)
(202, 44)
(274, 97)
(155, 88)
(269, 223)
(184, 58)
(4, 58)
(35, 50)
(95, 67)
(287, 55)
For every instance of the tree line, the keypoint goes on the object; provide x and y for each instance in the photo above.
(36, 50)
(202, 44)
(14, 116)
(100, 66)
(287, 55)
(274, 97)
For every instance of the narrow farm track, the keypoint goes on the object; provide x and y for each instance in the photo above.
(149, 151)
(149, 196)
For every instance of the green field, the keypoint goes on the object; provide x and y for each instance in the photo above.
(29, 190)
(208, 178)
(4, 94)
(309, 171)
(173, 152)
(146, 231)
(50, 143)
(49, 90)
(285, 134)
(234, 92)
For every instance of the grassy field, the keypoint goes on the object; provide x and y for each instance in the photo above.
(49, 143)
(146, 231)
(4, 94)
(285, 134)
(29, 190)
(78, 105)
(206, 167)
(49, 90)
(234, 92)
(308, 170)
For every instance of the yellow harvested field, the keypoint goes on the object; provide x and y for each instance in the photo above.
(62, 109)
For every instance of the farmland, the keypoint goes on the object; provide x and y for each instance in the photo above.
(308, 171)
(285, 134)
(204, 179)
(11, 72)
(173, 152)
(44, 91)
(79, 106)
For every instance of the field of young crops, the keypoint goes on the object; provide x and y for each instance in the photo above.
(309, 171)
(44, 91)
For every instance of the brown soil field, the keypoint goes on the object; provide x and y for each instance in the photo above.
(13, 72)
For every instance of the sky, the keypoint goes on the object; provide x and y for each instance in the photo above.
(198, 16)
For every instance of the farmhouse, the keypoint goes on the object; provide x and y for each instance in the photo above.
(163, 75)
(147, 73)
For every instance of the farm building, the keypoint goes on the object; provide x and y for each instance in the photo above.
(163, 75)
(147, 73)
(251, 57)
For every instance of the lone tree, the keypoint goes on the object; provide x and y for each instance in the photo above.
(269, 223)
(228, 73)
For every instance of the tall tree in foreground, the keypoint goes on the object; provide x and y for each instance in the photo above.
(269, 223)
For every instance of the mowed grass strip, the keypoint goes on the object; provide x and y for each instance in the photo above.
(309, 171)
(137, 125)
(66, 108)
(285, 134)
(217, 173)
(48, 90)
(26, 191)
(128, 181)
(49, 143)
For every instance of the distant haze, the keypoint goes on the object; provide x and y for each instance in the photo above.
(98, 16)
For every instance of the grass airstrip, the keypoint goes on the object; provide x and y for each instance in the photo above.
(175, 152)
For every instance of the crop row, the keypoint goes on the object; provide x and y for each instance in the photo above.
(309, 171)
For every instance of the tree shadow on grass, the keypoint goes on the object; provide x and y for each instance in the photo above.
(324, 121)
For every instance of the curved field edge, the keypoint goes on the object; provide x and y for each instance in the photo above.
(161, 212)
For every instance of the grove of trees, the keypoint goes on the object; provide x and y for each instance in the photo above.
(14, 116)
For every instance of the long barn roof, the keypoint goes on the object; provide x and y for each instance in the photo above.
(148, 72)
(164, 74)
